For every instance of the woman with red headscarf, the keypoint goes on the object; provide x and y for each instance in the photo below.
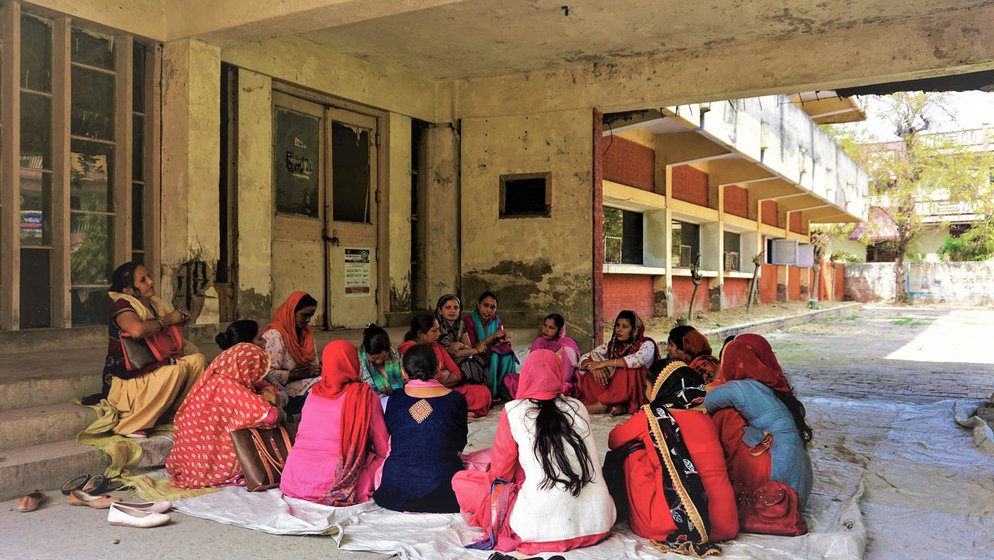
(331, 461)
(203, 454)
(759, 420)
(613, 375)
(543, 492)
(289, 340)
(688, 344)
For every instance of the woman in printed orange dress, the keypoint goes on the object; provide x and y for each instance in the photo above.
(226, 398)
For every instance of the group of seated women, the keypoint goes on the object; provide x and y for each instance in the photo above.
(705, 439)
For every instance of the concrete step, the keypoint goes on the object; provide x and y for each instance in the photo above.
(40, 390)
(46, 466)
(48, 423)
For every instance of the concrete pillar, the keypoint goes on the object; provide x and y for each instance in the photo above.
(658, 227)
(399, 211)
(712, 257)
(255, 195)
(191, 119)
(442, 255)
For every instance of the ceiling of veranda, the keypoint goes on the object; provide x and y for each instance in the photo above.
(477, 38)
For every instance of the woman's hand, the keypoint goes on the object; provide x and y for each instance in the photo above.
(481, 347)
(448, 379)
(174, 317)
(600, 375)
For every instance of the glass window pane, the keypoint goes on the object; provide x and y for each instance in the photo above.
(632, 249)
(36, 131)
(36, 53)
(350, 173)
(90, 306)
(91, 177)
(92, 104)
(137, 217)
(36, 288)
(296, 159)
(92, 48)
(138, 79)
(138, 149)
(91, 248)
(732, 242)
(36, 207)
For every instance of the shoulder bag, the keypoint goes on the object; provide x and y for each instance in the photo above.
(261, 453)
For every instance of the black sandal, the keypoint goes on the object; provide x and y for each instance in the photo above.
(75, 483)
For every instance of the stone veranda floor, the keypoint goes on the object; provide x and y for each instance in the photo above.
(885, 370)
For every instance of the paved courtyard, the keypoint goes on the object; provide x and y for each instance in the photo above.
(879, 384)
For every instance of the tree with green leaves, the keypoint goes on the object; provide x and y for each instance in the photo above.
(911, 174)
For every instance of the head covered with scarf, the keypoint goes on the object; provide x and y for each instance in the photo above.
(750, 356)
(541, 376)
(299, 345)
(621, 348)
(449, 330)
(675, 385)
(340, 378)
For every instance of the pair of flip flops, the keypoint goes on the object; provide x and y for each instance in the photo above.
(90, 484)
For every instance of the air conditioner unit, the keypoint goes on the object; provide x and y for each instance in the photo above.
(731, 261)
(784, 252)
(685, 256)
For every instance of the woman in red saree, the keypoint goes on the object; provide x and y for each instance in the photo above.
(225, 398)
(613, 374)
(425, 330)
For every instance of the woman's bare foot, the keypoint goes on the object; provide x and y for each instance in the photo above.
(597, 408)
(617, 410)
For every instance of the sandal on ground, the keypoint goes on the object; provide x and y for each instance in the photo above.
(139, 434)
(96, 485)
(75, 483)
(133, 517)
(31, 501)
(80, 498)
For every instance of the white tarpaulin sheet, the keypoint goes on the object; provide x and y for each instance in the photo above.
(915, 474)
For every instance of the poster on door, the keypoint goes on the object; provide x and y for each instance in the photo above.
(357, 273)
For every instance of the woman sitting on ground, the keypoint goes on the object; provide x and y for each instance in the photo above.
(245, 330)
(613, 375)
(448, 312)
(673, 434)
(544, 453)
(226, 398)
(342, 439)
(289, 341)
(146, 394)
(379, 363)
(425, 330)
(688, 344)
(427, 425)
(552, 337)
(759, 420)
(485, 332)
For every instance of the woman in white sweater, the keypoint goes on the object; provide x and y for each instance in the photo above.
(544, 483)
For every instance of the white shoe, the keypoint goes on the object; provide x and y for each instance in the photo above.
(153, 507)
(133, 517)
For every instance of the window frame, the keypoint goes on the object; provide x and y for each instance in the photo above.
(624, 237)
(121, 174)
(546, 176)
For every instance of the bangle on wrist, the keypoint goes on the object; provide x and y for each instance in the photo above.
(162, 322)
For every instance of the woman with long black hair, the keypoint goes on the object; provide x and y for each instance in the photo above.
(544, 483)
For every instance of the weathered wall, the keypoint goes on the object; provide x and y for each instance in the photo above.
(398, 200)
(536, 265)
(736, 201)
(628, 291)
(736, 292)
(683, 289)
(845, 245)
(191, 116)
(964, 283)
(629, 163)
(926, 244)
(255, 195)
(298, 61)
(768, 284)
(793, 283)
(690, 185)
(440, 273)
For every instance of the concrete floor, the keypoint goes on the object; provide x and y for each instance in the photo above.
(884, 362)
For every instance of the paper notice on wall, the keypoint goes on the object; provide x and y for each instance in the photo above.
(357, 273)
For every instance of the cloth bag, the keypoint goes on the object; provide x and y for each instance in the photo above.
(261, 453)
(771, 509)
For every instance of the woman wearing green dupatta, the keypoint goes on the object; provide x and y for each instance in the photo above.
(486, 333)
(379, 363)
